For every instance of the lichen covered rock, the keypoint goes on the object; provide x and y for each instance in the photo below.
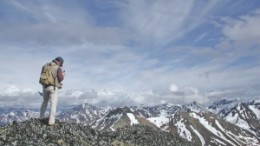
(37, 132)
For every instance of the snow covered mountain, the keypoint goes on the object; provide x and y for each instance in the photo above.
(83, 114)
(222, 107)
(192, 122)
(119, 118)
(225, 122)
(243, 114)
(155, 111)
(8, 115)
(208, 129)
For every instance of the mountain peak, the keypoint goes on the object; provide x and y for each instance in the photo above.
(194, 107)
(225, 101)
(121, 110)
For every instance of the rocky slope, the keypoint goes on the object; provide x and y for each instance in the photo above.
(243, 114)
(36, 132)
(119, 118)
(208, 129)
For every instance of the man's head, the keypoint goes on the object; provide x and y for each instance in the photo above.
(59, 60)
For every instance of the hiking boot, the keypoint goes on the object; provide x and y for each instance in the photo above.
(44, 121)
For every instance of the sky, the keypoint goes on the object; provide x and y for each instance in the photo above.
(131, 52)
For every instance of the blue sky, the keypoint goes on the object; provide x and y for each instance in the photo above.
(131, 52)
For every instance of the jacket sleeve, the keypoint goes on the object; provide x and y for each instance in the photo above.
(59, 74)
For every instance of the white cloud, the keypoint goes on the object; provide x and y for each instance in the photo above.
(155, 20)
(219, 93)
(174, 88)
(163, 21)
(244, 30)
(51, 12)
(115, 97)
(186, 94)
(13, 96)
(12, 90)
(99, 56)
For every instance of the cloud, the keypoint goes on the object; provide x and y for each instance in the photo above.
(62, 35)
(164, 51)
(53, 24)
(68, 12)
(12, 90)
(173, 88)
(243, 30)
(162, 21)
(12, 96)
(184, 95)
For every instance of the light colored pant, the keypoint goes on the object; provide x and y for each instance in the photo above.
(49, 94)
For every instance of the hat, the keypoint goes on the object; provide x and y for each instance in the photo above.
(60, 59)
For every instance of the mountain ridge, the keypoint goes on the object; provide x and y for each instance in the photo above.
(193, 122)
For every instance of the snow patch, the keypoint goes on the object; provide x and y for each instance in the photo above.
(199, 135)
(230, 135)
(159, 121)
(255, 110)
(118, 117)
(132, 118)
(237, 121)
(183, 131)
(207, 125)
(219, 141)
(232, 119)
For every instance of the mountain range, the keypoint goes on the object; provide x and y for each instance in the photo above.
(225, 122)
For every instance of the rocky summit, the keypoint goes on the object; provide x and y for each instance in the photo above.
(36, 132)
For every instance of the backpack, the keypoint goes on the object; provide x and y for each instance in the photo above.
(47, 77)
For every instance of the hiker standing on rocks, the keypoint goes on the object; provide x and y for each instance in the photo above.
(51, 78)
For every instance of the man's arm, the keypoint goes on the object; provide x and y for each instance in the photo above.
(60, 75)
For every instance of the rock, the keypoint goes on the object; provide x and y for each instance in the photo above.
(36, 132)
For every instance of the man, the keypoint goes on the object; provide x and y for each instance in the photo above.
(50, 89)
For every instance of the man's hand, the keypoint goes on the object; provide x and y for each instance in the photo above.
(63, 73)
